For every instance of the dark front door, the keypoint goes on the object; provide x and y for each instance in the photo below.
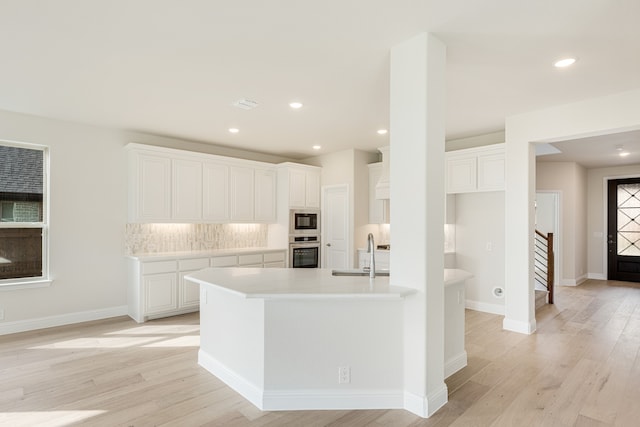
(624, 229)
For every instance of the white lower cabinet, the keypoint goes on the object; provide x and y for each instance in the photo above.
(160, 293)
(159, 288)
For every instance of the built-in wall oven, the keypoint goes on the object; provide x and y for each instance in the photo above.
(304, 251)
(304, 222)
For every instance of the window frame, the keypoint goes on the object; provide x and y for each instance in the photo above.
(45, 279)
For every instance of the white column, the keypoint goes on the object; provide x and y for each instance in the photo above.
(519, 299)
(417, 126)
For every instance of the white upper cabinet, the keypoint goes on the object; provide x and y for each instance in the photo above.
(304, 185)
(215, 195)
(168, 185)
(265, 195)
(150, 189)
(186, 203)
(475, 169)
(378, 208)
(242, 193)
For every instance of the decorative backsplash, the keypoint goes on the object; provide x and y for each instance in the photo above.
(159, 238)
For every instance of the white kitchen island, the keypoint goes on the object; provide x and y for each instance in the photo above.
(302, 338)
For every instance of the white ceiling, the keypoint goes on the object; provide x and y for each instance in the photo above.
(173, 67)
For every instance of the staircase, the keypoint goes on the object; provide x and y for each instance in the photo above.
(543, 268)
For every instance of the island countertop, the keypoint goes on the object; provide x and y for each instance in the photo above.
(297, 283)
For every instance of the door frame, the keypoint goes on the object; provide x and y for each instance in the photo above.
(557, 238)
(605, 226)
(348, 231)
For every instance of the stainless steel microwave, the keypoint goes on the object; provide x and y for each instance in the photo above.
(304, 221)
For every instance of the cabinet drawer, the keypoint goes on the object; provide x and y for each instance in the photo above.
(158, 267)
(193, 264)
(273, 257)
(277, 264)
(249, 259)
(224, 261)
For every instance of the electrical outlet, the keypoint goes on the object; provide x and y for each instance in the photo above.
(1, 314)
(489, 246)
(344, 375)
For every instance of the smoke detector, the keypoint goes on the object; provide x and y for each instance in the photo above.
(245, 104)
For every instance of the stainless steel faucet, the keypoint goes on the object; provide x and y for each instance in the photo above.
(371, 249)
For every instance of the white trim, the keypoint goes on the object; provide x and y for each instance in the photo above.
(455, 363)
(596, 276)
(332, 399)
(519, 326)
(61, 320)
(25, 284)
(484, 307)
(246, 389)
(286, 400)
(426, 406)
(574, 282)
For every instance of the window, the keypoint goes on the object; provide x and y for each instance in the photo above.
(23, 213)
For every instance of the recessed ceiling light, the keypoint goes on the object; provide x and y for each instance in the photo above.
(295, 105)
(234, 130)
(316, 147)
(382, 131)
(564, 62)
(624, 153)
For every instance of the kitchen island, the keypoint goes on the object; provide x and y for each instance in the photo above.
(302, 338)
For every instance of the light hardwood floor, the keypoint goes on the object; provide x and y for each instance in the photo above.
(580, 368)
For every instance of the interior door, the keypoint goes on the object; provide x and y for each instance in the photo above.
(624, 229)
(335, 227)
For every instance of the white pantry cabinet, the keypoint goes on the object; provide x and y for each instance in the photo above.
(168, 185)
(475, 169)
(157, 286)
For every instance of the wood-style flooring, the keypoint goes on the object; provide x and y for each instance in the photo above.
(581, 368)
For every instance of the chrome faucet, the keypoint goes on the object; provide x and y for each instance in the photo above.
(372, 258)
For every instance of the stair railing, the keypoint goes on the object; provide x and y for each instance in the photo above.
(544, 262)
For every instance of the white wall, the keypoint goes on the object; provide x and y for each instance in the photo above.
(350, 167)
(597, 116)
(480, 227)
(88, 215)
(596, 206)
(571, 180)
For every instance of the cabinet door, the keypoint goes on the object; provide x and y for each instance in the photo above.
(187, 190)
(297, 188)
(312, 180)
(242, 193)
(378, 209)
(461, 174)
(265, 195)
(188, 292)
(215, 192)
(152, 195)
(160, 291)
(491, 172)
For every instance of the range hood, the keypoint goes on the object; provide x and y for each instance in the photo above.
(382, 186)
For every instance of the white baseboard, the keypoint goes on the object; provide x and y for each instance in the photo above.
(454, 364)
(573, 282)
(597, 276)
(484, 307)
(425, 407)
(302, 399)
(519, 326)
(61, 320)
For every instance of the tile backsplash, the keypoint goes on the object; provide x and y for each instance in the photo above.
(159, 238)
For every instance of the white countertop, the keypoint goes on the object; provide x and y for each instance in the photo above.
(302, 283)
(161, 256)
(290, 283)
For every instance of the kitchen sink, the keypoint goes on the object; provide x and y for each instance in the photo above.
(356, 272)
